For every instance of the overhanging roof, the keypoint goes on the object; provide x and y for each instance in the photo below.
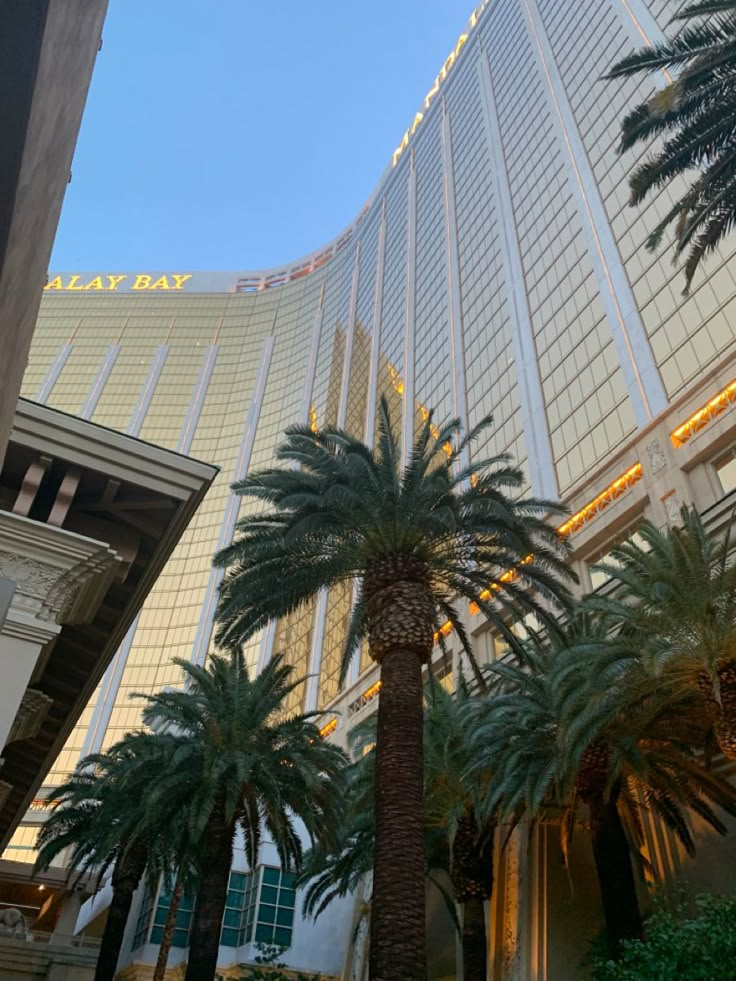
(129, 491)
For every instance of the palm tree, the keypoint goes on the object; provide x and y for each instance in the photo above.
(411, 540)
(695, 113)
(99, 815)
(458, 845)
(453, 801)
(180, 878)
(578, 723)
(236, 763)
(676, 592)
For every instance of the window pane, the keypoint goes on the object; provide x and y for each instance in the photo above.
(269, 894)
(267, 914)
(726, 470)
(285, 917)
(271, 876)
(231, 918)
(157, 935)
(282, 936)
(287, 897)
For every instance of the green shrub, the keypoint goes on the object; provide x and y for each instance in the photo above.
(680, 948)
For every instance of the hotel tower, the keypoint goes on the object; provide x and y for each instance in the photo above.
(497, 268)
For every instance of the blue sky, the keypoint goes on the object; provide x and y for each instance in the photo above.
(241, 134)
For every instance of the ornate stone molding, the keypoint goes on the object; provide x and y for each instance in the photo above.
(60, 576)
(673, 506)
(656, 456)
(29, 717)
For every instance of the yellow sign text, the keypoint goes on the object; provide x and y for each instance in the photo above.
(107, 283)
(443, 73)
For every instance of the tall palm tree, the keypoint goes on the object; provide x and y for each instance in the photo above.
(99, 815)
(577, 723)
(458, 846)
(411, 540)
(236, 763)
(696, 115)
(676, 592)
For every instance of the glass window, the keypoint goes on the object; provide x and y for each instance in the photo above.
(275, 907)
(144, 920)
(182, 924)
(726, 471)
(238, 894)
(598, 577)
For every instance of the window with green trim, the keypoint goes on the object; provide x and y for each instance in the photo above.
(182, 924)
(240, 888)
(144, 920)
(275, 907)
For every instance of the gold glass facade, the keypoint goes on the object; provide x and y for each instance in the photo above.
(497, 269)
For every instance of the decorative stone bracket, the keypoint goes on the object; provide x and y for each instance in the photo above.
(61, 577)
(29, 718)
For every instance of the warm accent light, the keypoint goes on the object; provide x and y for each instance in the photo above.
(445, 629)
(700, 419)
(601, 502)
(508, 576)
(371, 692)
(313, 424)
(328, 729)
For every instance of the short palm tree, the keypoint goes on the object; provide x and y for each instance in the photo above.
(676, 592)
(100, 817)
(180, 878)
(578, 723)
(452, 801)
(412, 540)
(236, 763)
(696, 114)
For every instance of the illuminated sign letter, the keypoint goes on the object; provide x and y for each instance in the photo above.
(72, 284)
(432, 92)
(95, 284)
(460, 42)
(55, 284)
(161, 284)
(114, 280)
(180, 280)
(449, 62)
(401, 147)
(142, 282)
(417, 120)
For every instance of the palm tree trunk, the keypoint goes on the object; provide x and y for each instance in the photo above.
(475, 945)
(397, 945)
(471, 873)
(168, 935)
(723, 712)
(204, 941)
(126, 876)
(615, 873)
